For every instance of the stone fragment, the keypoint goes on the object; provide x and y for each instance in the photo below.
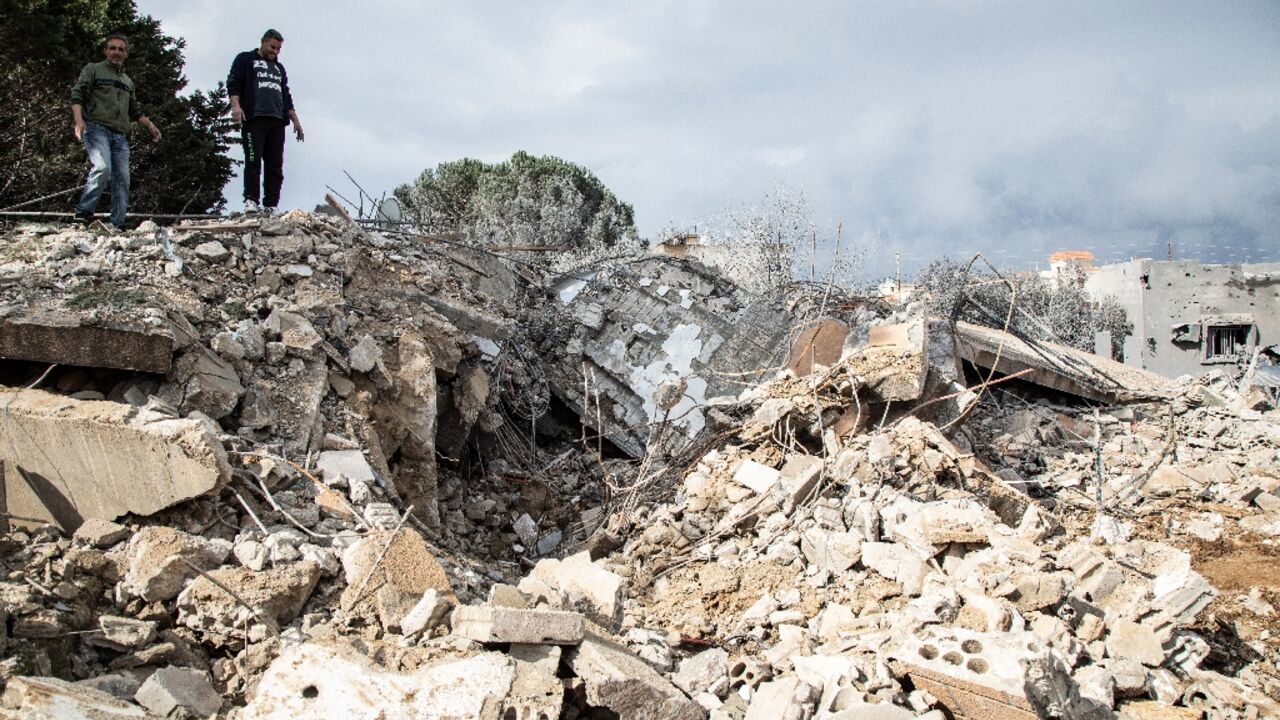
(350, 464)
(171, 688)
(407, 565)
(508, 625)
(585, 586)
(99, 533)
(797, 478)
(365, 354)
(704, 671)
(157, 560)
(277, 595)
(207, 383)
(50, 698)
(314, 681)
(617, 680)
(430, 610)
(113, 459)
(1128, 640)
(896, 562)
(760, 478)
(212, 252)
(787, 698)
(121, 633)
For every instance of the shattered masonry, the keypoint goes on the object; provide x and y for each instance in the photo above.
(290, 469)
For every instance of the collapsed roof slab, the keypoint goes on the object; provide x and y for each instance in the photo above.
(654, 341)
(1058, 367)
(66, 461)
(68, 338)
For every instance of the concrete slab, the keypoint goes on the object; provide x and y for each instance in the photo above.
(507, 625)
(47, 698)
(317, 681)
(67, 461)
(1058, 367)
(67, 338)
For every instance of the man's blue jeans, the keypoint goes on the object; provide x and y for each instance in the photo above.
(109, 156)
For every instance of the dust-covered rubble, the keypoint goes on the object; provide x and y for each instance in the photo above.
(374, 481)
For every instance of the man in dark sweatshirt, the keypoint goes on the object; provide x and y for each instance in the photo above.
(102, 106)
(261, 105)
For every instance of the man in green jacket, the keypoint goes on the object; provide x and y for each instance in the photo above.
(103, 104)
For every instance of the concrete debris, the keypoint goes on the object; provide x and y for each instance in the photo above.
(46, 698)
(324, 472)
(508, 625)
(619, 681)
(171, 690)
(315, 681)
(141, 461)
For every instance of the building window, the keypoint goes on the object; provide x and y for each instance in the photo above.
(1226, 343)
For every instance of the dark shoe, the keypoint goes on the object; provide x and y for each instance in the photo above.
(82, 218)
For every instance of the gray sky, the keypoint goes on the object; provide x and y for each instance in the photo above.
(1015, 129)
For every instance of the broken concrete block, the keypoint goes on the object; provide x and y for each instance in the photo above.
(430, 610)
(829, 675)
(1128, 640)
(68, 338)
(617, 680)
(207, 383)
(169, 689)
(392, 605)
(973, 675)
(704, 671)
(100, 533)
(407, 566)
(760, 478)
(929, 528)
(277, 595)
(113, 459)
(896, 562)
(797, 478)
(365, 355)
(350, 464)
(122, 634)
(787, 698)
(507, 625)
(832, 551)
(49, 698)
(212, 251)
(157, 560)
(314, 681)
(502, 595)
(584, 585)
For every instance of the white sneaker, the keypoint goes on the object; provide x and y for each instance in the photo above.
(251, 206)
(272, 211)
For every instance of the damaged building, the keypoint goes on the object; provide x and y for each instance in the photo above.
(1188, 317)
(291, 468)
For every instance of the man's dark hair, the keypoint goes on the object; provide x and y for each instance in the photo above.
(117, 36)
(272, 35)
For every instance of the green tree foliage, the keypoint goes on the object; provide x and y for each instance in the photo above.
(526, 200)
(1060, 310)
(43, 46)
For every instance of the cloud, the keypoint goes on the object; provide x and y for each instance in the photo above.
(934, 128)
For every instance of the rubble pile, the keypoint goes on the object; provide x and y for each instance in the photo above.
(288, 468)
